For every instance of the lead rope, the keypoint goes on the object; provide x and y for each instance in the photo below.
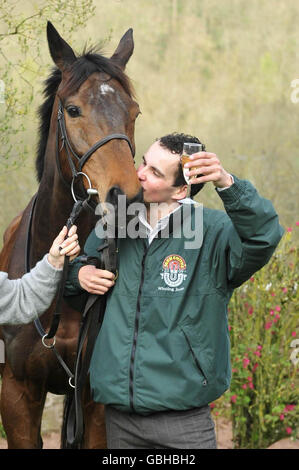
(91, 324)
(77, 208)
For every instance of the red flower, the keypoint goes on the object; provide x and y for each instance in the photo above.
(281, 417)
(244, 386)
(289, 408)
(233, 398)
(212, 405)
(268, 325)
(289, 430)
(246, 362)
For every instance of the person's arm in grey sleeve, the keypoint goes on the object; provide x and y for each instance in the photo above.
(22, 300)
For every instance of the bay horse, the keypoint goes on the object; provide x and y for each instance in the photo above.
(96, 99)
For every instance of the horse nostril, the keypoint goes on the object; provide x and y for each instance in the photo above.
(113, 194)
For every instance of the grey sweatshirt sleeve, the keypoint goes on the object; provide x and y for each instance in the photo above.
(22, 300)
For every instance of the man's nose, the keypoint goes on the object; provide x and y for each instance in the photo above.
(140, 173)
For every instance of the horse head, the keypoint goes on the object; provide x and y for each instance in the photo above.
(98, 112)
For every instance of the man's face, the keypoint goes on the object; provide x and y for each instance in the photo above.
(157, 174)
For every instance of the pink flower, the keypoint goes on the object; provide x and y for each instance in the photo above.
(257, 353)
(281, 417)
(249, 379)
(246, 362)
(273, 294)
(255, 367)
(268, 325)
(244, 386)
(233, 398)
(250, 310)
(277, 308)
(259, 347)
(293, 333)
(229, 328)
(297, 223)
(289, 430)
(250, 385)
(289, 408)
(252, 278)
(234, 370)
(284, 290)
(271, 312)
(289, 229)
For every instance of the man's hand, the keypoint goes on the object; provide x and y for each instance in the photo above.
(208, 165)
(62, 247)
(95, 281)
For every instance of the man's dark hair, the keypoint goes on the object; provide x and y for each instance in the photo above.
(174, 143)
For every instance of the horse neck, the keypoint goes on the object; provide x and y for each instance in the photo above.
(54, 201)
(52, 209)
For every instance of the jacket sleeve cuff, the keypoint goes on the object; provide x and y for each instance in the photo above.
(72, 285)
(234, 192)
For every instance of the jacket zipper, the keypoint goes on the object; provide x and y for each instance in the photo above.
(136, 327)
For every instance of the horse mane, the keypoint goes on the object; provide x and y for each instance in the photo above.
(89, 62)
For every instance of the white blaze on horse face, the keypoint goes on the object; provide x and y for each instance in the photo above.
(104, 89)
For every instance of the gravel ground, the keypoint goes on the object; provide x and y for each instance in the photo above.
(52, 419)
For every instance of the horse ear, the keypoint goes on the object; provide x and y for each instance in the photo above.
(61, 53)
(124, 49)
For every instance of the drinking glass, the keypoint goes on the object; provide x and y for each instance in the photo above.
(189, 148)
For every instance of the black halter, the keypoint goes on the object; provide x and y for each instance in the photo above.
(69, 150)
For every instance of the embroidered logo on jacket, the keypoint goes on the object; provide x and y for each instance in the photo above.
(174, 267)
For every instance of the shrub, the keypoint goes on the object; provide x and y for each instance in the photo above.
(263, 322)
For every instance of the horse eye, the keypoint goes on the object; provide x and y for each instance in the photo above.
(73, 111)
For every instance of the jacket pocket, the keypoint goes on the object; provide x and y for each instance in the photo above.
(195, 352)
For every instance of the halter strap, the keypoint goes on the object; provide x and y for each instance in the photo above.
(83, 159)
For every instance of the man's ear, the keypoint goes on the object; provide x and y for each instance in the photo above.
(180, 193)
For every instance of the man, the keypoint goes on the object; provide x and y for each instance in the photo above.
(22, 300)
(162, 354)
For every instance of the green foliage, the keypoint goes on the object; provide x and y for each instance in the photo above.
(2, 432)
(263, 319)
(22, 64)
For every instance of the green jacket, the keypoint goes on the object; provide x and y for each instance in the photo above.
(164, 342)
